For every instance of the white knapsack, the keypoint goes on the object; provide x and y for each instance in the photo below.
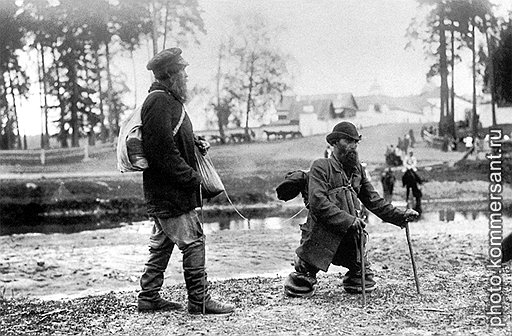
(130, 157)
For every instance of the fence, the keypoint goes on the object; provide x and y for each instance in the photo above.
(433, 140)
(52, 156)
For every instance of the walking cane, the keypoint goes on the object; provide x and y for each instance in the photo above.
(204, 251)
(363, 267)
(408, 235)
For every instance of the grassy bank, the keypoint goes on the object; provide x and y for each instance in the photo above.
(250, 173)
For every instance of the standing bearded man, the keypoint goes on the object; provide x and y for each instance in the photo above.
(171, 189)
(332, 232)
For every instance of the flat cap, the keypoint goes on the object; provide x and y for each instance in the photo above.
(166, 57)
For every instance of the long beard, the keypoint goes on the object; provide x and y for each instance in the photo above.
(349, 160)
(178, 86)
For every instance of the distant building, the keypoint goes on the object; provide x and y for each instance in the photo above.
(316, 114)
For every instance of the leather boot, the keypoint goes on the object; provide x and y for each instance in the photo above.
(199, 300)
(301, 283)
(159, 304)
(152, 280)
(417, 207)
(353, 283)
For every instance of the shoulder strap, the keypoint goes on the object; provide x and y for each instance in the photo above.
(182, 117)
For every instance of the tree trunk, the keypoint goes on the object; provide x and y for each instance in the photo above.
(490, 52)
(91, 135)
(165, 22)
(5, 140)
(451, 119)
(103, 129)
(45, 94)
(134, 78)
(113, 116)
(63, 134)
(443, 64)
(155, 28)
(249, 97)
(16, 126)
(75, 138)
(249, 101)
(474, 121)
(220, 119)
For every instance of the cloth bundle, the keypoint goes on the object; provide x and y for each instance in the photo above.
(211, 184)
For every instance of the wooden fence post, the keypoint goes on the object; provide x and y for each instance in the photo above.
(86, 152)
(43, 156)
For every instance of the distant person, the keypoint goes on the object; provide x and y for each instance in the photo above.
(468, 142)
(328, 151)
(411, 181)
(412, 138)
(398, 150)
(388, 184)
(171, 189)
(423, 130)
(406, 143)
(400, 145)
(411, 162)
(334, 226)
(479, 147)
(389, 149)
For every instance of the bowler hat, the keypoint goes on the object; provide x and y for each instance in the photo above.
(165, 58)
(343, 129)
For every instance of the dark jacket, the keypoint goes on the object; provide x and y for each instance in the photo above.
(332, 210)
(171, 182)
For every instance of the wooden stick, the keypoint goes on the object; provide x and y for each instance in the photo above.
(363, 268)
(407, 233)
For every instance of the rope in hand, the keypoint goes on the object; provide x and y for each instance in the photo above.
(235, 208)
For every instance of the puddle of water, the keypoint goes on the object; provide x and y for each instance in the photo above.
(445, 216)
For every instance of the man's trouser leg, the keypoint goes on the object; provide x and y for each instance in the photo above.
(186, 232)
(349, 255)
(151, 281)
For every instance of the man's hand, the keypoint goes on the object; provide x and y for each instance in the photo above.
(203, 146)
(358, 225)
(410, 215)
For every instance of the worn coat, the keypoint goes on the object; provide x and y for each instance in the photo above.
(171, 182)
(331, 212)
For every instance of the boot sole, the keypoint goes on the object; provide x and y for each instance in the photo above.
(299, 295)
(209, 313)
(158, 310)
(358, 290)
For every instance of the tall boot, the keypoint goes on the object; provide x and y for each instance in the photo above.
(199, 300)
(418, 205)
(349, 255)
(152, 280)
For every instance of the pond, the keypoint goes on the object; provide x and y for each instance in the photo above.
(448, 215)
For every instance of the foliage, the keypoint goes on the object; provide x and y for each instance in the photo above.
(461, 18)
(503, 67)
(13, 79)
(258, 73)
(74, 42)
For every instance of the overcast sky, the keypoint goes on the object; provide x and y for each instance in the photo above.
(338, 45)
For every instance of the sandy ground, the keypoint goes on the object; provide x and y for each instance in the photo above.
(92, 262)
(53, 266)
(451, 258)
